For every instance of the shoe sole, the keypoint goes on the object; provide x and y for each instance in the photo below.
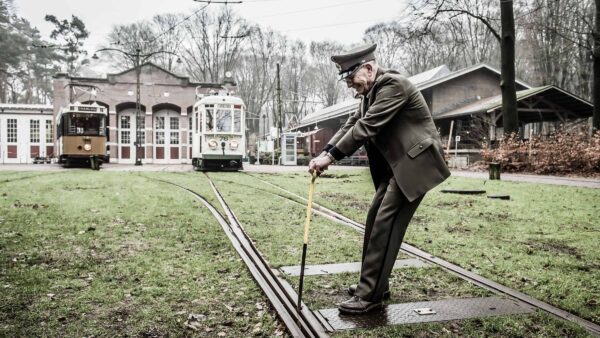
(368, 309)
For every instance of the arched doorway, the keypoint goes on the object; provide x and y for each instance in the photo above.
(167, 133)
(127, 127)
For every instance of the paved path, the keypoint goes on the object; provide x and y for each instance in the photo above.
(570, 181)
(557, 180)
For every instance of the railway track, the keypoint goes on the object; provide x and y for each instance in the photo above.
(452, 268)
(279, 293)
(283, 297)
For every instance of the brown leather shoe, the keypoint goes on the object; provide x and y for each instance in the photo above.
(352, 290)
(358, 306)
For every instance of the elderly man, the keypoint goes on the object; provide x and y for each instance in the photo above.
(406, 160)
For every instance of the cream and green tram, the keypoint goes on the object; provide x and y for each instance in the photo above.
(81, 135)
(218, 133)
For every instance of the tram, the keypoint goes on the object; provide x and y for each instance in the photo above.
(81, 134)
(218, 132)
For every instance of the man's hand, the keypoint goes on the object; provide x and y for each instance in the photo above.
(319, 164)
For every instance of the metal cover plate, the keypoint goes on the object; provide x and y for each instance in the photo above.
(450, 309)
(326, 269)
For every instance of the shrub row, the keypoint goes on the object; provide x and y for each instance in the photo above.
(562, 152)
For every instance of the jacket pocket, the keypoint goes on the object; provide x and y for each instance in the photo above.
(420, 147)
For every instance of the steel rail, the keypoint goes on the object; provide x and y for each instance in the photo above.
(457, 270)
(303, 324)
(305, 321)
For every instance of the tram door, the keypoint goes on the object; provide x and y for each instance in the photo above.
(167, 143)
(127, 135)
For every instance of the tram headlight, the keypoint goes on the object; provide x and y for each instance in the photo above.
(87, 147)
(234, 145)
(213, 144)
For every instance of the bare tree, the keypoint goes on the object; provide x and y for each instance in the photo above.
(389, 38)
(255, 72)
(327, 88)
(432, 11)
(130, 38)
(214, 43)
(170, 36)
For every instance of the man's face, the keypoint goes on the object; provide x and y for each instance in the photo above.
(360, 81)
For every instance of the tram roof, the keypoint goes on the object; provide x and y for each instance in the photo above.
(82, 108)
(216, 99)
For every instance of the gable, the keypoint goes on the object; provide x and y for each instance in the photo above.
(151, 74)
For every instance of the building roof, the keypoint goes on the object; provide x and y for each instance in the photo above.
(560, 97)
(338, 109)
(452, 75)
(20, 107)
(422, 81)
(430, 75)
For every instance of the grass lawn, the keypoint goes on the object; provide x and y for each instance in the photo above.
(106, 254)
(86, 253)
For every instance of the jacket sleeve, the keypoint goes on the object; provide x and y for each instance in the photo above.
(338, 135)
(391, 97)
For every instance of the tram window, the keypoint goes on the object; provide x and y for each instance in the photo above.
(209, 119)
(224, 120)
(237, 121)
(85, 124)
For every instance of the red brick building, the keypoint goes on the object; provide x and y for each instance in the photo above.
(166, 103)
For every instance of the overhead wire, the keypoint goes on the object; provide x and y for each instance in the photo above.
(313, 9)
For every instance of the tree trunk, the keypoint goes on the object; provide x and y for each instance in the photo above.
(510, 118)
(596, 85)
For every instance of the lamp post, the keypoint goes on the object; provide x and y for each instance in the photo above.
(137, 59)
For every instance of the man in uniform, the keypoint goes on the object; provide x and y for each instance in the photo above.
(406, 160)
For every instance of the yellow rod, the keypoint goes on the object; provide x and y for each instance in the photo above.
(311, 191)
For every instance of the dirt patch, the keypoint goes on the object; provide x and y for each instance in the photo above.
(554, 246)
(457, 229)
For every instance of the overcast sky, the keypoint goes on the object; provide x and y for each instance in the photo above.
(310, 20)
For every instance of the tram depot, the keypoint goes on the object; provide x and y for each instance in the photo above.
(28, 131)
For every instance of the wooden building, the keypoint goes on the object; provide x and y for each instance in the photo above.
(470, 101)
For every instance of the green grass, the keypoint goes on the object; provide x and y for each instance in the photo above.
(115, 254)
(87, 253)
(542, 242)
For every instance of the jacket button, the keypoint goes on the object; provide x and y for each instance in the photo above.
(421, 147)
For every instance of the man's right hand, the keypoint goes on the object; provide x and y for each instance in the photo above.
(319, 164)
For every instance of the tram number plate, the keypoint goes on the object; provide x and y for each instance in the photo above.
(425, 311)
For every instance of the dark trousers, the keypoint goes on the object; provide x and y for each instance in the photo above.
(386, 224)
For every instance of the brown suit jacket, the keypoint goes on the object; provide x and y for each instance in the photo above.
(396, 127)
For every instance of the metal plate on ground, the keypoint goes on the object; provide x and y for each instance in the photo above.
(463, 191)
(326, 269)
(450, 309)
(499, 197)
